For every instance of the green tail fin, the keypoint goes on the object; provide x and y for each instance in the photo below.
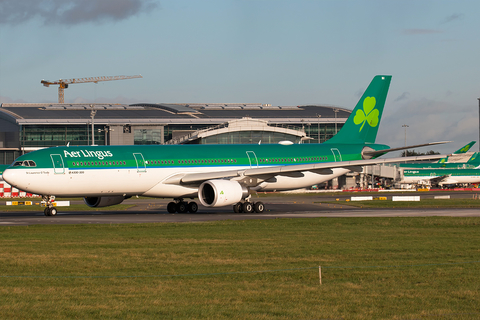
(475, 159)
(362, 125)
(463, 149)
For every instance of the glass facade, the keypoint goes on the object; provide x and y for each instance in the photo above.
(39, 136)
(60, 135)
(242, 137)
(321, 132)
(8, 156)
(147, 136)
(168, 129)
(318, 132)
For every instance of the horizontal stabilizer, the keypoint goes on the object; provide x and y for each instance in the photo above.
(372, 153)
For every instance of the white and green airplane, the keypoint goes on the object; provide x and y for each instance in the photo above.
(441, 176)
(444, 172)
(471, 163)
(219, 175)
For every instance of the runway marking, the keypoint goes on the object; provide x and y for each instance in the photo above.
(15, 223)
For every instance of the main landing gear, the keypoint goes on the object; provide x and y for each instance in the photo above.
(249, 207)
(50, 210)
(181, 206)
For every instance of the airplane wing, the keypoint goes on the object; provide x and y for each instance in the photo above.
(437, 180)
(291, 170)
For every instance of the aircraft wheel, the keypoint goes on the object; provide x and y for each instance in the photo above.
(171, 207)
(237, 207)
(46, 211)
(248, 207)
(259, 207)
(192, 207)
(53, 211)
(182, 207)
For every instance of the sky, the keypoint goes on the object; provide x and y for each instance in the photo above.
(255, 51)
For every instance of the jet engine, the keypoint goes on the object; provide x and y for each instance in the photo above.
(218, 193)
(95, 202)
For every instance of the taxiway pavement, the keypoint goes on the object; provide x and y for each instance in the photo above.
(154, 211)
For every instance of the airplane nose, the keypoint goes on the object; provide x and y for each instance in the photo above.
(9, 176)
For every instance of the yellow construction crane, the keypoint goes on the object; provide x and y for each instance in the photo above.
(63, 83)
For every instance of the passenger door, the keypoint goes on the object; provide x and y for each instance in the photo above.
(141, 166)
(58, 166)
(336, 154)
(252, 158)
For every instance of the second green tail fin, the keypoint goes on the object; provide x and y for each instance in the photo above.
(463, 149)
(362, 125)
(474, 160)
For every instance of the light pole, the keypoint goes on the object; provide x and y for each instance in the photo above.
(318, 126)
(405, 126)
(336, 111)
(92, 115)
(106, 129)
(309, 131)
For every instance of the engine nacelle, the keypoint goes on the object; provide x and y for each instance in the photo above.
(95, 202)
(218, 193)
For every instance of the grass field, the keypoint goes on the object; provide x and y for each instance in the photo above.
(372, 268)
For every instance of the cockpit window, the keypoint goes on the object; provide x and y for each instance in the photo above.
(26, 163)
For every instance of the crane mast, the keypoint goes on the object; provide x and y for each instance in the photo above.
(63, 83)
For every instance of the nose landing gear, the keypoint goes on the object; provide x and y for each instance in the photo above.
(50, 210)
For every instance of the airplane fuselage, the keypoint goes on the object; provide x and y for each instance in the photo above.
(442, 176)
(146, 170)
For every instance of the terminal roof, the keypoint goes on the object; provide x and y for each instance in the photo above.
(44, 113)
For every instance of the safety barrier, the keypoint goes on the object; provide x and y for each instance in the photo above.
(405, 198)
(7, 191)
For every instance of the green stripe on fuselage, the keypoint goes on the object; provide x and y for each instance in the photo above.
(441, 172)
(85, 157)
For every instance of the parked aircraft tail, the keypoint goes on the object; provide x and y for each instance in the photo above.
(463, 149)
(362, 125)
(474, 160)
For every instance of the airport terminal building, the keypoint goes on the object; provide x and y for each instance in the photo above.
(25, 127)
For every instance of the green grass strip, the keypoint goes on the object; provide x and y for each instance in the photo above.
(242, 272)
